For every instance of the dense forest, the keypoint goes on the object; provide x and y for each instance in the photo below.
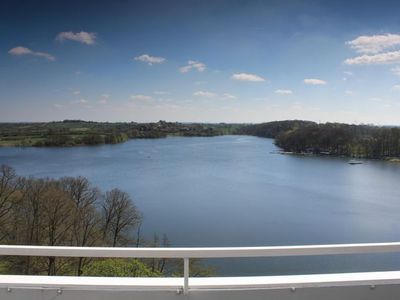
(77, 132)
(271, 129)
(70, 211)
(362, 141)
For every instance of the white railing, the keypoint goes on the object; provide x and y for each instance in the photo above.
(188, 253)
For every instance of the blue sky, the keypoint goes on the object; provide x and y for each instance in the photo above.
(203, 61)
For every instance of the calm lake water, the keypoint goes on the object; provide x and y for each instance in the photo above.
(232, 191)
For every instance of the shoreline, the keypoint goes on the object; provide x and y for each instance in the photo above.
(394, 160)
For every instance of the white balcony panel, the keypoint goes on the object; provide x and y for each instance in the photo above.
(370, 285)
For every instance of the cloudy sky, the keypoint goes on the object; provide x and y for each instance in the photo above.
(203, 61)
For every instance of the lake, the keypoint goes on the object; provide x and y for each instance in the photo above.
(234, 191)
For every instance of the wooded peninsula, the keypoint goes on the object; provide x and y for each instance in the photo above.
(296, 136)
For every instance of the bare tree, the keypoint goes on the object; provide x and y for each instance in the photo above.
(26, 226)
(9, 184)
(120, 217)
(57, 210)
(85, 219)
(68, 211)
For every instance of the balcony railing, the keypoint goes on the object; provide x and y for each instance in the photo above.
(187, 284)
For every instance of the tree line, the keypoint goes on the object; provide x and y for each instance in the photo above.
(363, 141)
(70, 211)
(271, 129)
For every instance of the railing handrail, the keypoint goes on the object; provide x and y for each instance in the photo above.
(188, 253)
(198, 252)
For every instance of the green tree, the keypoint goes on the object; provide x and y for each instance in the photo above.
(119, 268)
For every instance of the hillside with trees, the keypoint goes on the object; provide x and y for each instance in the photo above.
(363, 141)
(272, 129)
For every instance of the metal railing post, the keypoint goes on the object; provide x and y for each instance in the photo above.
(185, 276)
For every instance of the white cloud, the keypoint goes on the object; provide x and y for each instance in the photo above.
(76, 93)
(396, 88)
(207, 94)
(45, 55)
(192, 64)
(104, 99)
(396, 71)
(18, 51)
(348, 74)
(81, 101)
(161, 93)
(381, 58)
(247, 77)
(283, 92)
(374, 43)
(314, 81)
(229, 96)
(88, 38)
(204, 94)
(58, 106)
(141, 97)
(349, 93)
(376, 99)
(185, 69)
(374, 49)
(150, 59)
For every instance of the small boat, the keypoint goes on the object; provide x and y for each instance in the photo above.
(325, 153)
(355, 162)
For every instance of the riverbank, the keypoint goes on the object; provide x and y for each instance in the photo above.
(393, 160)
